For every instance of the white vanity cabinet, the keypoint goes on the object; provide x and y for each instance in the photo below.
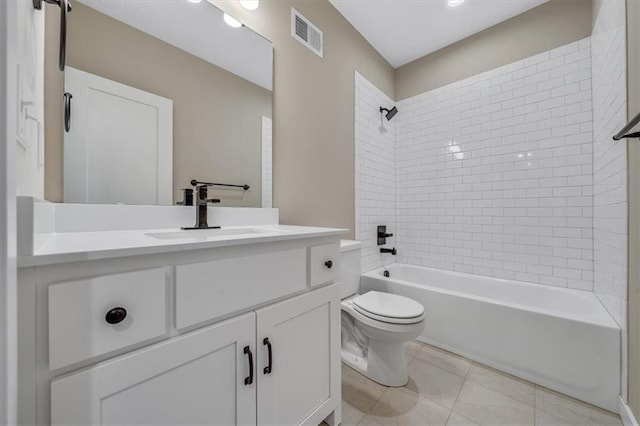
(197, 379)
(301, 378)
(199, 344)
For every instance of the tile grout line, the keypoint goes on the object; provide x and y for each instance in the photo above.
(535, 402)
(573, 400)
(378, 400)
(420, 395)
(411, 359)
(451, 410)
(458, 395)
(472, 363)
(535, 386)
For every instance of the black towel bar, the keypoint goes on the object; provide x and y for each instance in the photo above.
(196, 183)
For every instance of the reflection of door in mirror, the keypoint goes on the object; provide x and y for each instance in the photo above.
(119, 147)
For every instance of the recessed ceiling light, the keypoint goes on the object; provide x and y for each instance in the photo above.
(194, 1)
(250, 4)
(231, 21)
(454, 3)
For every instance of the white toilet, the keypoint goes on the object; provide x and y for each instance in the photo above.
(375, 325)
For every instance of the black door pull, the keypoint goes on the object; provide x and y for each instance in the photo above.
(249, 380)
(67, 111)
(328, 264)
(267, 369)
(65, 8)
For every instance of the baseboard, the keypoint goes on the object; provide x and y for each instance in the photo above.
(628, 419)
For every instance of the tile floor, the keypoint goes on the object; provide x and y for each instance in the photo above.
(445, 389)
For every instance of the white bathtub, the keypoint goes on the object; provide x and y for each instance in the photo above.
(559, 338)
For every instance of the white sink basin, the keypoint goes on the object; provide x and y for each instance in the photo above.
(206, 234)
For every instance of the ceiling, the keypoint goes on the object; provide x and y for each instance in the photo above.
(197, 28)
(405, 30)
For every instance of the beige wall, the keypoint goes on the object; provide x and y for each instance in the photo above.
(217, 122)
(53, 89)
(313, 146)
(548, 26)
(633, 147)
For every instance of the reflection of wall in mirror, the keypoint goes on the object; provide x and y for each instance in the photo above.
(29, 149)
(217, 115)
(267, 163)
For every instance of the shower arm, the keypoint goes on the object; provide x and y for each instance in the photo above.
(389, 113)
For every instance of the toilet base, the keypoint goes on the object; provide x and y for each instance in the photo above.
(385, 364)
(355, 362)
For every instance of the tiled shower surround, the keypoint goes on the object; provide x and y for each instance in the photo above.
(610, 159)
(493, 174)
(610, 167)
(375, 172)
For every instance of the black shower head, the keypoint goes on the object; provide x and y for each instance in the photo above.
(390, 113)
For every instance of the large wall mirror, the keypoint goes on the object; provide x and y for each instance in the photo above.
(158, 93)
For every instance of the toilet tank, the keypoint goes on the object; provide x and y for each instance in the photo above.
(350, 253)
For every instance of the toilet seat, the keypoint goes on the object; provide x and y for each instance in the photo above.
(389, 308)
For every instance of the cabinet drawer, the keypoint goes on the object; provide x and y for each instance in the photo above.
(78, 320)
(210, 290)
(323, 264)
(195, 379)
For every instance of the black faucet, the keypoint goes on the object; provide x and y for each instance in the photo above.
(187, 197)
(382, 235)
(201, 209)
(391, 250)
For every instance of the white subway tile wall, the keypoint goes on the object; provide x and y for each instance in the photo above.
(267, 162)
(375, 168)
(610, 158)
(494, 172)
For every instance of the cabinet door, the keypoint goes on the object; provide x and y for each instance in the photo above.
(303, 385)
(195, 379)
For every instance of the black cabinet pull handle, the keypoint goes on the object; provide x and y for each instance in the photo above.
(329, 264)
(249, 380)
(267, 369)
(116, 315)
(67, 111)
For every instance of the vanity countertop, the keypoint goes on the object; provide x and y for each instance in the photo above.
(82, 246)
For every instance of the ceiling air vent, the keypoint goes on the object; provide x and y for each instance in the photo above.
(305, 32)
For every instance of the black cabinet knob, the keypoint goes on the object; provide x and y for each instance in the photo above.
(328, 264)
(116, 315)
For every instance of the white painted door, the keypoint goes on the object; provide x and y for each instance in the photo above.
(8, 304)
(197, 379)
(119, 148)
(303, 386)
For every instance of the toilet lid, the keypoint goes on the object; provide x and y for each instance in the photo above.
(389, 307)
